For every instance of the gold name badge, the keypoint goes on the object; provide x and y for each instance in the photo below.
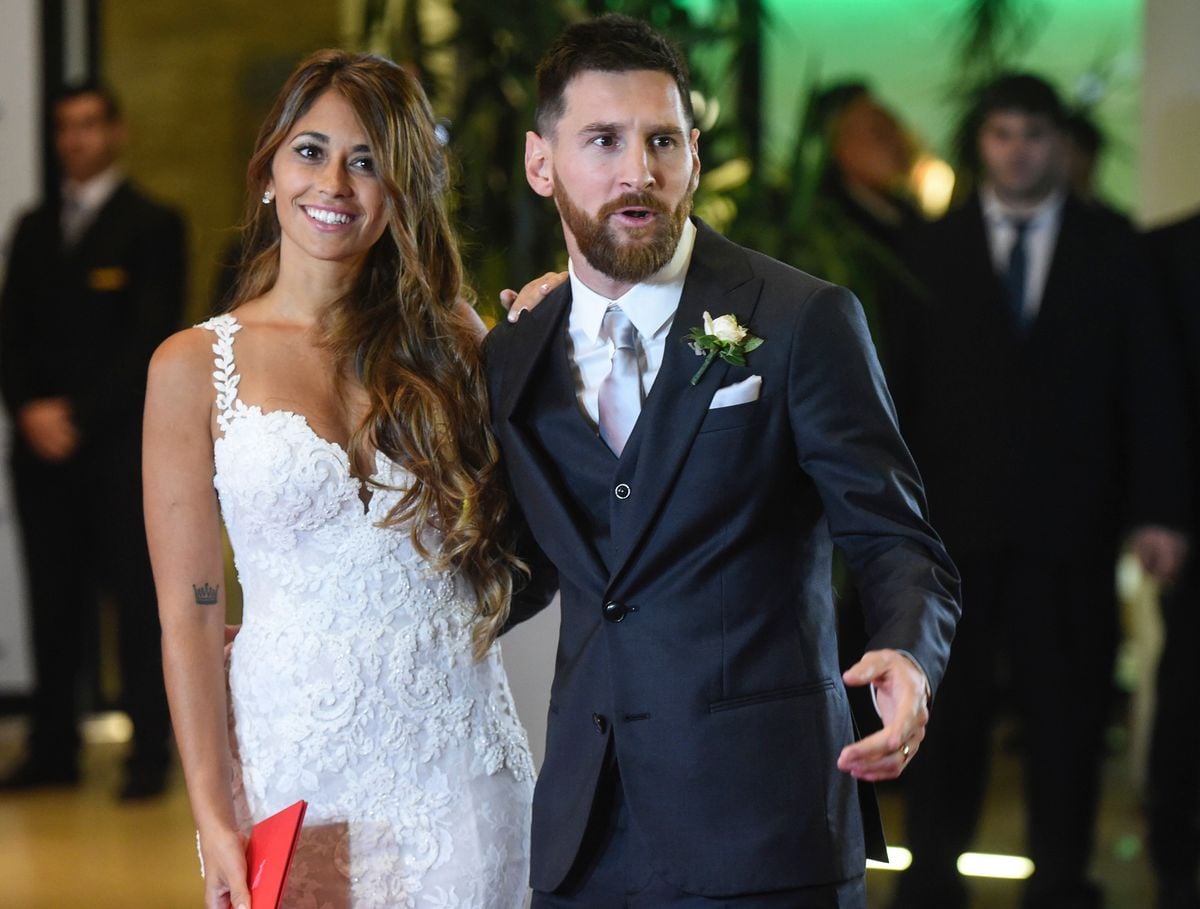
(103, 279)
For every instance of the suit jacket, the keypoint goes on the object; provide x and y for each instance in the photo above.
(1047, 439)
(1174, 253)
(698, 634)
(82, 322)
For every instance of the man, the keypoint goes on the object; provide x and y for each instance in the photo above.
(94, 283)
(1035, 412)
(869, 163)
(1173, 777)
(700, 749)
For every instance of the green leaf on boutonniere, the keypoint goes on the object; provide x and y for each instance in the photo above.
(721, 337)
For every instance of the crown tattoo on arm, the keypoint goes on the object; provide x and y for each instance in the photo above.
(206, 595)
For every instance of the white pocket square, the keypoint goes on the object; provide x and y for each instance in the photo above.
(742, 392)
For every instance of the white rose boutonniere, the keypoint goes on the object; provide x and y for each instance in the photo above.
(721, 337)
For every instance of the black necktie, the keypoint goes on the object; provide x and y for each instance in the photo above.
(1018, 271)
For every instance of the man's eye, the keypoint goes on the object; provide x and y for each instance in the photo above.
(664, 141)
(605, 141)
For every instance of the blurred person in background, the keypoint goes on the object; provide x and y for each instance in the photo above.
(95, 281)
(1084, 144)
(860, 233)
(1173, 777)
(870, 159)
(1037, 412)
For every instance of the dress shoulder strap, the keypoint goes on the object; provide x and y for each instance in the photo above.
(225, 379)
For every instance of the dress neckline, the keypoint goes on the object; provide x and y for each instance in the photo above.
(229, 404)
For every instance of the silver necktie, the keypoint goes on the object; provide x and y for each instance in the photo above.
(621, 391)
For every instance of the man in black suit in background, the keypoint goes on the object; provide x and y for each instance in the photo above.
(1036, 413)
(94, 282)
(700, 749)
(1173, 777)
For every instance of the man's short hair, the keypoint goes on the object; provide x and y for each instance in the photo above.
(1021, 92)
(608, 44)
(73, 90)
(1084, 133)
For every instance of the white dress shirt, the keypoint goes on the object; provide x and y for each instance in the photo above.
(1041, 236)
(650, 306)
(81, 202)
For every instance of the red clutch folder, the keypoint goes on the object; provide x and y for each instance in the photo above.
(269, 855)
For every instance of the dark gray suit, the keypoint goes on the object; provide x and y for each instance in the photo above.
(698, 633)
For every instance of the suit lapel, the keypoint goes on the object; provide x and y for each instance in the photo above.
(106, 217)
(527, 464)
(534, 334)
(719, 281)
(1056, 288)
(980, 262)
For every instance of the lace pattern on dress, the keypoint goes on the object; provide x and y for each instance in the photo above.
(352, 684)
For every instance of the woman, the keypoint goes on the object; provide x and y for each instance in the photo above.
(339, 411)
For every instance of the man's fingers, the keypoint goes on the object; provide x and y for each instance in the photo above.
(507, 298)
(865, 671)
(880, 756)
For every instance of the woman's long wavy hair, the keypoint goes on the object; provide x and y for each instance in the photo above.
(400, 330)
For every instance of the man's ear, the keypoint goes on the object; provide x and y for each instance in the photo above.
(539, 164)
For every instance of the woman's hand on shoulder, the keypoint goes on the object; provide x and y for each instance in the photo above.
(223, 854)
(531, 294)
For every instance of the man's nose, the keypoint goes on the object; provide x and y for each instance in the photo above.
(636, 172)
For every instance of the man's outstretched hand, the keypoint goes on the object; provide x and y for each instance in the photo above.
(901, 697)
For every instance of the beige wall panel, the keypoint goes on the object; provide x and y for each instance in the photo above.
(195, 80)
(1169, 172)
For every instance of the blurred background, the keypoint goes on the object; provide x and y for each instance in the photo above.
(772, 81)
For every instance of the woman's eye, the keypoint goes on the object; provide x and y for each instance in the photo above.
(367, 165)
(309, 152)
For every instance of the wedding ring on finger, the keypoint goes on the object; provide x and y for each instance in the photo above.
(905, 751)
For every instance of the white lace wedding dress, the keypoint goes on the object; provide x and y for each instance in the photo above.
(352, 683)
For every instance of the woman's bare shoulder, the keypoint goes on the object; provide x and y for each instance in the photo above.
(183, 365)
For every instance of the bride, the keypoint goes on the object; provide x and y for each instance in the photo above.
(338, 416)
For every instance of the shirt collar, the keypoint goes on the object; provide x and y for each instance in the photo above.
(998, 212)
(650, 304)
(91, 194)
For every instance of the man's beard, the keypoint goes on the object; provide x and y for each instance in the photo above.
(645, 250)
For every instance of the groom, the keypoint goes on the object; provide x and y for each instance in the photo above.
(700, 750)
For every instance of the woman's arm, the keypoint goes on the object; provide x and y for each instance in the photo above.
(182, 528)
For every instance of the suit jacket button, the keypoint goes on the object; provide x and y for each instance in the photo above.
(614, 612)
(600, 722)
(622, 490)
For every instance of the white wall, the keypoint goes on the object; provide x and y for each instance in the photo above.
(1169, 172)
(20, 177)
(529, 660)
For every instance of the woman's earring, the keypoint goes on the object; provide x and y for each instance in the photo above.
(268, 196)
